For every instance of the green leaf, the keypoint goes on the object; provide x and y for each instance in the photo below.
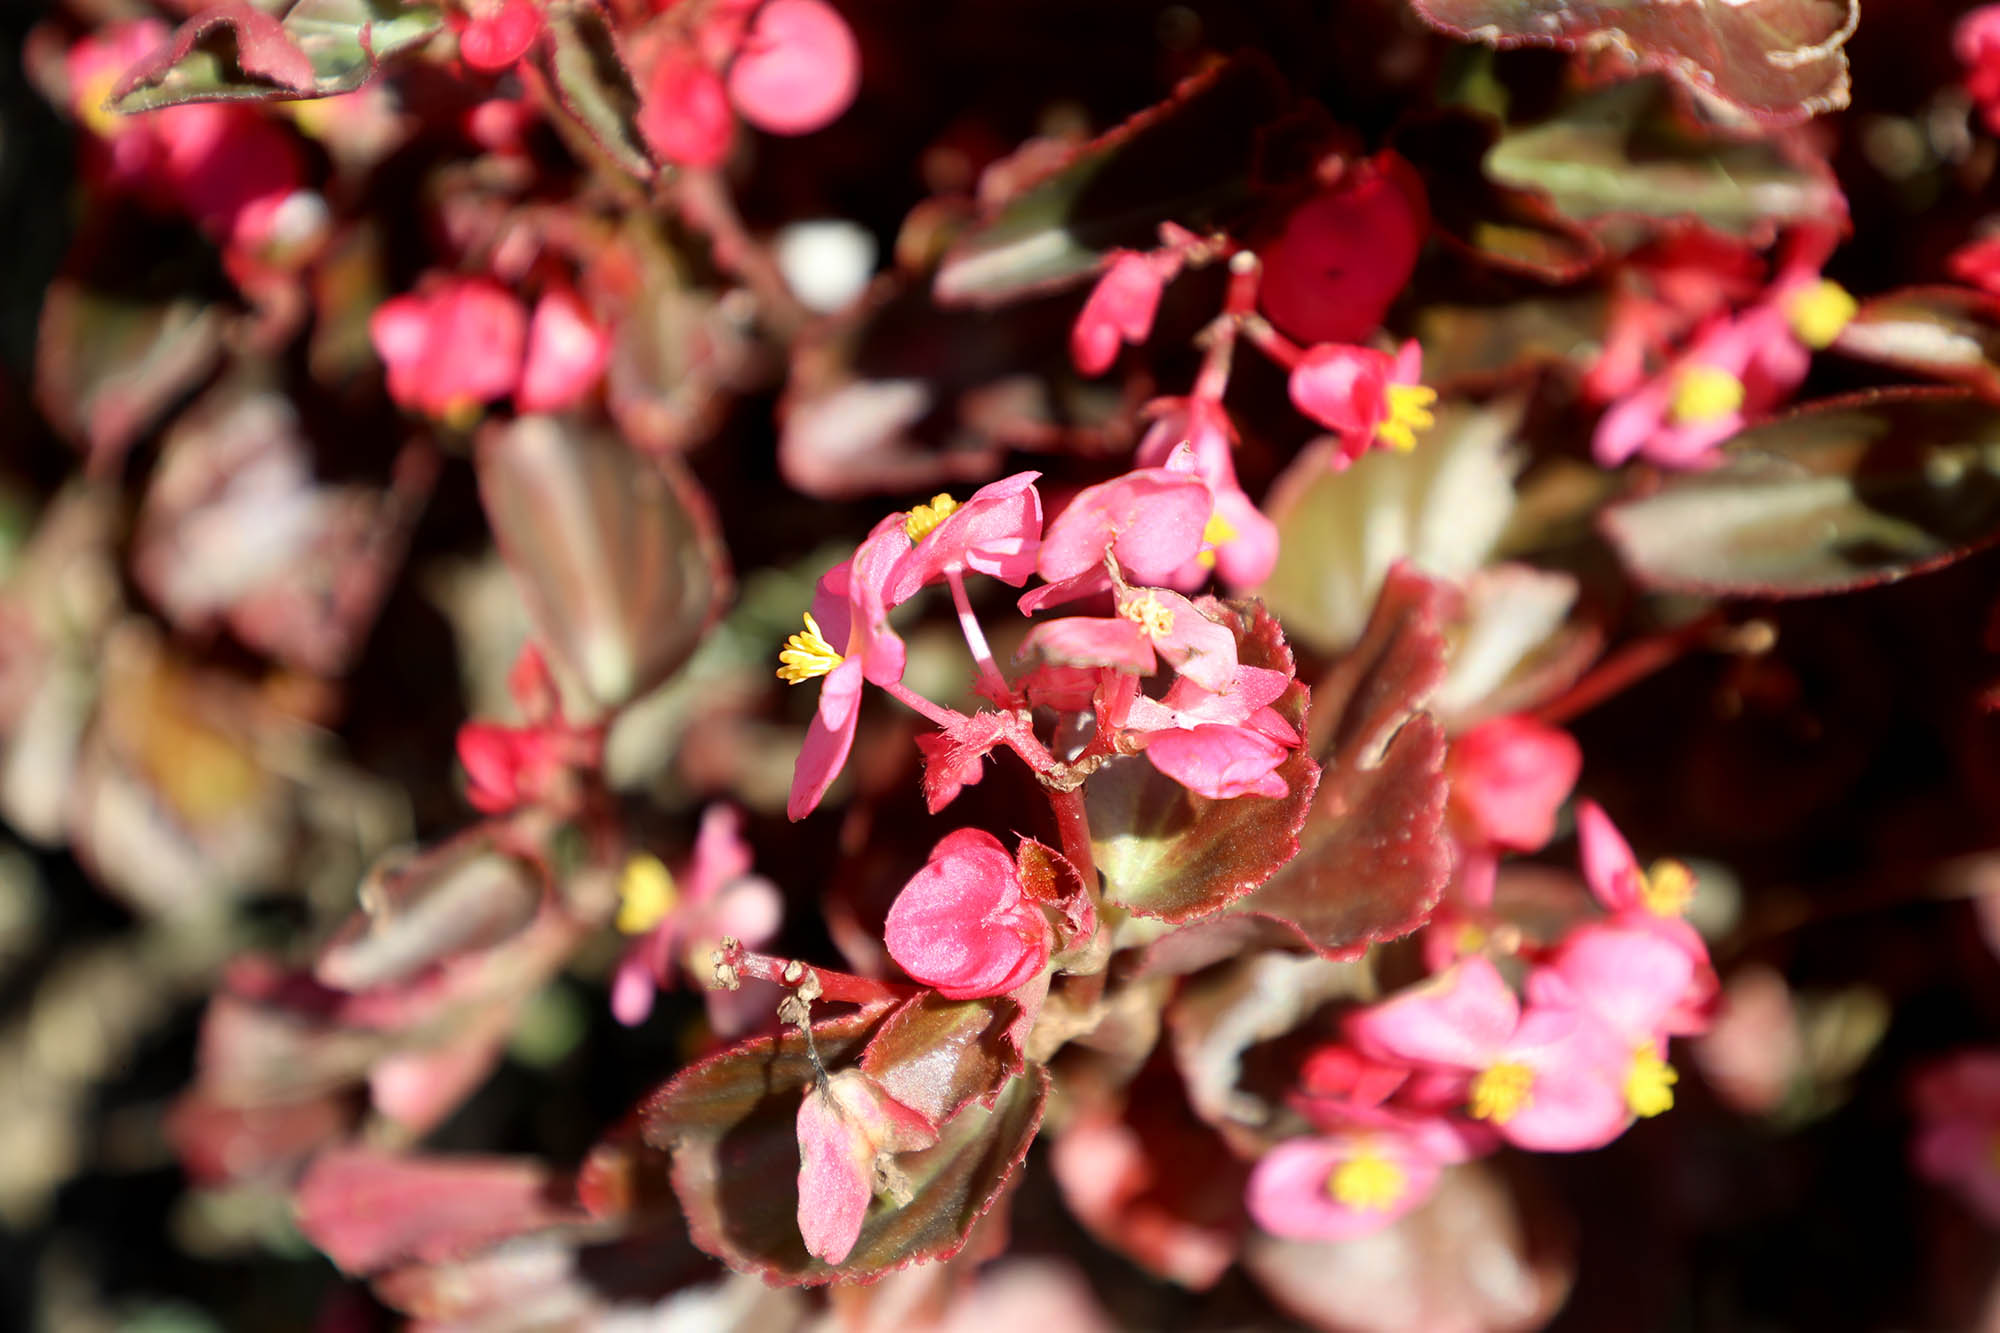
(1838, 495)
(1187, 160)
(1623, 152)
(582, 62)
(1166, 852)
(730, 1123)
(616, 554)
(235, 53)
(1949, 333)
(1769, 62)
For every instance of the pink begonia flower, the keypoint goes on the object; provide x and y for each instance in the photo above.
(684, 111)
(678, 919)
(567, 353)
(1534, 1075)
(1342, 257)
(1365, 397)
(963, 925)
(1509, 777)
(508, 767)
(1627, 984)
(997, 531)
(451, 345)
(1651, 900)
(1238, 543)
(1218, 744)
(1667, 287)
(797, 68)
(1340, 1186)
(849, 609)
(1976, 41)
(1150, 520)
(1977, 264)
(1957, 1139)
(1120, 309)
(1151, 623)
(497, 33)
(844, 1124)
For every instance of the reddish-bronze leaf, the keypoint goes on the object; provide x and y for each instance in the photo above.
(1947, 333)
(935, 1055)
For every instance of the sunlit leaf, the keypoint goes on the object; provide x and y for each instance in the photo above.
(582, 62)
(1839, 495)
(936, 1055)
(1947, 333)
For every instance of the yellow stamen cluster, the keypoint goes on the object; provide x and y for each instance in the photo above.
(1499, 1093)
(1145, 611)
(806, 655)
(1368, 1182)
(1704, 393)
(1667, 888)
(1409, 411)
(923, 520)
(1219, 532)
(646, 894)
(1820, 312)
(1649, 1087)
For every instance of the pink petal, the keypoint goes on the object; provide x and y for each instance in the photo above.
(869, 636)
(828, 738)
(1459, 1019)
(1609, 867)
(684, 112)
(720, 854)
(493, 41)
(1290, 1192)
(1342, 388)
(836, 1177)
(1220, 762)
(997, 532)
(1120, 309)
(797, 70)
(1092, 641)
(1509, 777)
(1199, 648)
(1150, 519)
(567, 352)
(962, 924)
(632, 988)
(1626, 979)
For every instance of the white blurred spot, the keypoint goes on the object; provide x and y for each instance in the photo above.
(826, 263)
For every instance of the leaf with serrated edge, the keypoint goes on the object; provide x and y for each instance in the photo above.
(1166, 852)
(730, 1122)
(1842, 494)
(583, 63)
(321, 48)
(1776, 62)
(616, 554)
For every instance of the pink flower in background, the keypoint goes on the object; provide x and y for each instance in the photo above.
(1509, 778)
(684, 112)
(1532, 1074)
(1367, 398)
(849, 610)
(497, 33)
(567, 353)
(796, 69)
(1342, 257)
(1628, 985)
(451, 345)
(963, 924)
(1340, 1186)
(1976, 41)
(677, 919)
(1120, 309)
(1957, 1140)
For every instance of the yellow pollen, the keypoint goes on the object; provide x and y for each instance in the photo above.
(1219, 532)
(806, 655)
(1704, 393)
(462, 414)
(924, 518)
(1649, 1088)
(1820, 312)
(90, 105)
(1409, 411)
(1149, 615)
(1667, 888)
(1471, 937)
(1367, 1182)
(1501, 1091)
(646, 894)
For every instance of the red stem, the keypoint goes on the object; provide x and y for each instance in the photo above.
(843, 987)
(1627, 667)
(1073, 825)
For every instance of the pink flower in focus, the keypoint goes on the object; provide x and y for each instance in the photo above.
(1344, 254)
(1218, 744)
(1533, 1074)
(964, 925)
(451, 345)
(1120, 309)
(850, 610)
(567, 353)
(1150, 521)
(1509, 776)
(1976, 40)
(1365, 397)
(844, 1124)
(677, 919)
(1151, 623)
(797, 69)
(684, 113)
(997, 532)
(1238, 543)
(496, 33)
